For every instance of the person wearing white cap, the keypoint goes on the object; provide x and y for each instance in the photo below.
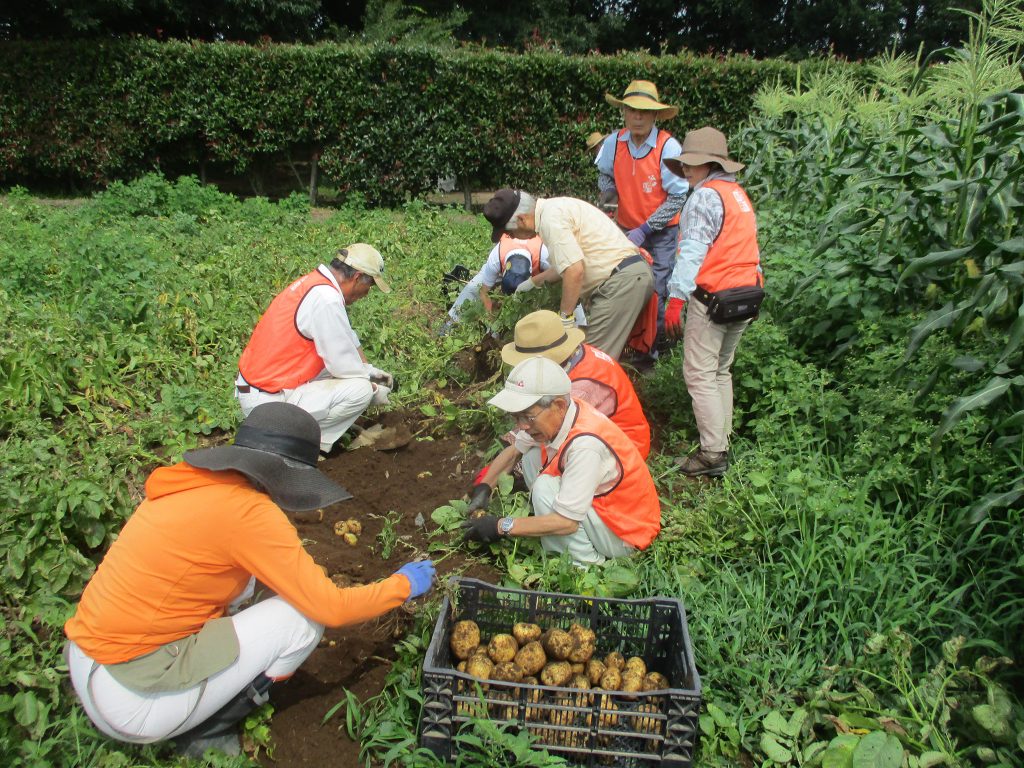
(591, 492)
(304, 350)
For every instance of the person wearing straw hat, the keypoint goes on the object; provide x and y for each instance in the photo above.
(304, 351)
(718, 252)
(595, 377)
(591, 492)
(594, 141)
(591, 257)
(631, 166)
(157, 648)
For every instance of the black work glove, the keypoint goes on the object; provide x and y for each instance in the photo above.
(479, 497)
(483, 529)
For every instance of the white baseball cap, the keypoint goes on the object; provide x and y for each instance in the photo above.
(366, 259)
(528, 382)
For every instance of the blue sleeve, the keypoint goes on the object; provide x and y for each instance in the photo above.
(688, 262)
(672, 184)
(605, 160)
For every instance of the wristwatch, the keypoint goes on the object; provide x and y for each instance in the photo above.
(505, 526)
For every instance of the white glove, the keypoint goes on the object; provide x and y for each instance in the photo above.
(380, 395)
(526, 285)
(377, 375)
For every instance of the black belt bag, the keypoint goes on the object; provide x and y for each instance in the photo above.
(732, 304)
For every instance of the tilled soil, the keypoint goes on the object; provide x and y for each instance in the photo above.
(391, 488)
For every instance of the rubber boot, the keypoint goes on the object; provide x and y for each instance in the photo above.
(220, 730)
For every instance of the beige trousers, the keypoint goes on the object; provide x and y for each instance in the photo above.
(614, 306)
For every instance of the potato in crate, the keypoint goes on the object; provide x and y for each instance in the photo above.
(598, 681)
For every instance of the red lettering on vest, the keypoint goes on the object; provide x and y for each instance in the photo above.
(733, 258)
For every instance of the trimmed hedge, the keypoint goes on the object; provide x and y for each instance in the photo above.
(385, 121)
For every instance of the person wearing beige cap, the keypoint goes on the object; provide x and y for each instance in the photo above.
(591, 492)
(631, 166)
(304, 351)
(719, 265)
(596, 378)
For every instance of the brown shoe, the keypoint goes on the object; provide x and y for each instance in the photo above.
(709, 463)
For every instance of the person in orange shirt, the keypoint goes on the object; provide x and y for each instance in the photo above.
(591, 492)
(596, 378)
(157, 648)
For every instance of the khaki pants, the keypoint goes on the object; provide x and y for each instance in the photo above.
(614, 306)
(708, 351)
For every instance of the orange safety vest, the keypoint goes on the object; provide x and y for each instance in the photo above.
(638, 182)
(507, 244)
(628, 414)
(733, 257)
(278, 356)
(631, 509)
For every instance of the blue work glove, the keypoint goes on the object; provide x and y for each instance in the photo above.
(420, 575)
(638, 235)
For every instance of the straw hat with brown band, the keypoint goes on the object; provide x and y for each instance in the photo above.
(541, 334)
(594, 140)
(704, 145)
(643, 94)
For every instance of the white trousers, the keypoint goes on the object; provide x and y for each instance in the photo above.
(274, 639)
(708, 351)
(334, 403)
(593, 542)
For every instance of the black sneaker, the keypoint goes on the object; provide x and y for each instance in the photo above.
(707, 463)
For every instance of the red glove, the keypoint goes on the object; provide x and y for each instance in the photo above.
(674, 317)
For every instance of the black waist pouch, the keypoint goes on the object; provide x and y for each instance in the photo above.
(732, 304)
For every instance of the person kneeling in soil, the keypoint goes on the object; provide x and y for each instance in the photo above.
(304, 351)
(596, 378)
(153, 649)
(592, 494)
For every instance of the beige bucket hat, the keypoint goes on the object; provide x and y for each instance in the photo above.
(366, 259)
(541, 334)
(643, 94)
(704, 145)
(528, 382)
(594, 140)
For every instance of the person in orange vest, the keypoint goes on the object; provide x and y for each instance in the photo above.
(591, 492)
(159, 646)
(590, 256)
(596, 378)
(512, 263)
(631, 166)
(304, 351)
(719, 265)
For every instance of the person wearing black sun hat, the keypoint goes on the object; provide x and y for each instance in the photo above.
(157, 648)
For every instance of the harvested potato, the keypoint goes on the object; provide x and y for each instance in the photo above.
(508, 672)
(502, 648)
(632, 681)
(611, 680)
(524, 633)
(595, 668)
(615, 660)
(582, 650)
(480, 650)
(556, 673)
(531, 658)
(655, 681)
(461, 666)
(636, 664)
(341, 528)
(557, 644)
(608, 718)
(480, 666)
(354, 526)
(530, 680)
(579, 681)
(577, 669)
(351, 539)
(465, 638)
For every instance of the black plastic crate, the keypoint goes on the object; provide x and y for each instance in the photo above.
(586, 727)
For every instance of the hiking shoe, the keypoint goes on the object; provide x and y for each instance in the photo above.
(196, 746)
(708, 463)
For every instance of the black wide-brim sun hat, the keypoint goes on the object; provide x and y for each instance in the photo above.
(277, 446)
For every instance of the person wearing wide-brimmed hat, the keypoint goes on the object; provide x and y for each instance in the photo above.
(631, 166)
(157, 648)
(590, 255)
(718, 251)
(304, 350)
(595, 377)
(591, 492)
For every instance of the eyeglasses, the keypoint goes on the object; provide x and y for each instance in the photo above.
(526, 419)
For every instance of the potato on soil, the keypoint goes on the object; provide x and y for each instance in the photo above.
(465, 637)
(595, 668)
(655, 681)
(524, 632)
(636, 664)
(354, 526)
(476, 514)
(556, 673)
(531, 658)
(480, 666)
(615, 660)
(351, 539)
(557, 644)
(507, 672)
(611, 680)
(341, 528)
(502, 648)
